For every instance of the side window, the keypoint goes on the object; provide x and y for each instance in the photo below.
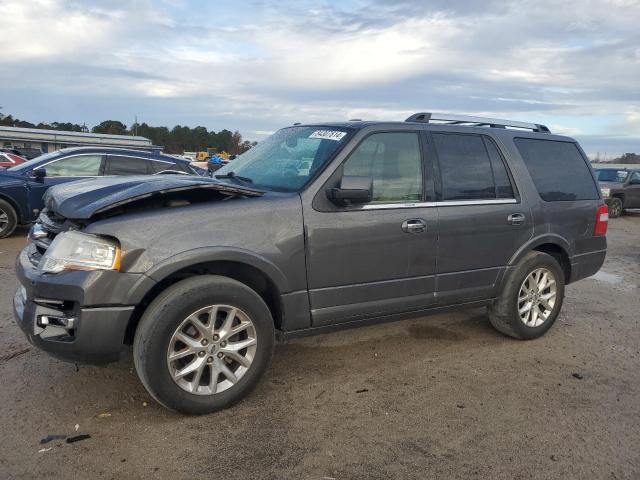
(465, 167)
(500, 175)
(157, 166)
(79, 166)
(128, 166)
(635, 178)
(558, 170)
(393, 161)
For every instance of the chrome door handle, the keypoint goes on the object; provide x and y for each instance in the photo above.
(414, 225)
(516, 218)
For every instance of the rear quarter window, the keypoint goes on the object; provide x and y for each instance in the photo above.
(558, 169)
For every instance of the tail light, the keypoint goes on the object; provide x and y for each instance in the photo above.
(602, 221)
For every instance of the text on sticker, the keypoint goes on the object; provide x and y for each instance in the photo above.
(328, 135)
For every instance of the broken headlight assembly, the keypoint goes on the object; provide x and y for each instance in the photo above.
(80, 251)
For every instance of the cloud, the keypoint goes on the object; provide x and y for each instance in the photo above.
(261, 65)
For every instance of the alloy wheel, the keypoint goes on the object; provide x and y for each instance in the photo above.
(4, 220)
(537, 297)
(212, 349)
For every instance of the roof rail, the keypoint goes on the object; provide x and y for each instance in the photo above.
(426, 117)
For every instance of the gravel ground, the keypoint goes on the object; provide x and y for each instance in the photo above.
(437, 397)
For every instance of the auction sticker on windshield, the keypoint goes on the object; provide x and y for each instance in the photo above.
(328, 135)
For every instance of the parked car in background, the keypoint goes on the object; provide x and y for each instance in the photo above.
(23, 186)
(25, 152)
(620, 188)
(8, 160)
(318, 227)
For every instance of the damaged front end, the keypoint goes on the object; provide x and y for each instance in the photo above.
(74, 299)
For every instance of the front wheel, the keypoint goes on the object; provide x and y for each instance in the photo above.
(531, 299)
(203, 344)
(8, 219)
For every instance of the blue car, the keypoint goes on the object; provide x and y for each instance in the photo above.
(22, 187)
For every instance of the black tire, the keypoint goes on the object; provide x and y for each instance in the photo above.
(503, 313)
(9, 225)
(615, 208)
(163, 316)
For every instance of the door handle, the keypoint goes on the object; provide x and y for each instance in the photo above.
(516, 218)
(414, 225)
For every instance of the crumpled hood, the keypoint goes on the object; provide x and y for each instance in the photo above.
(85, 198)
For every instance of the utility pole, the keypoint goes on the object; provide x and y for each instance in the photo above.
(136, 125)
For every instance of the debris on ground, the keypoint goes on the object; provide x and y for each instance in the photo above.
(51, 438)
(42, 450)
(76, 427)
(577, 375)
(104, 415)
(362, 391)
(14, 354)
(460, 405)
(78, 438)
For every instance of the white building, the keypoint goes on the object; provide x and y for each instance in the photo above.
(51, 140)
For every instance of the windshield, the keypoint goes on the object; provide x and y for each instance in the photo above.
(286, 160)
(611, 175)
(27, 166)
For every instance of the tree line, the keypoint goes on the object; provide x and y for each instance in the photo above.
(176, 140)
(627, 158)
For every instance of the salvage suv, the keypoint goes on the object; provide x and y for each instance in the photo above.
(318, 227)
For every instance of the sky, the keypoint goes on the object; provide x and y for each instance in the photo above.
(258, 66)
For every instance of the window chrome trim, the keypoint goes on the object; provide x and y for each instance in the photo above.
(448, 203)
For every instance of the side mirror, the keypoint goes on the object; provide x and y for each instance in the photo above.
(353, 190)
(39, 174)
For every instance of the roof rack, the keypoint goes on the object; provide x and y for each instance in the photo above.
(426, 117)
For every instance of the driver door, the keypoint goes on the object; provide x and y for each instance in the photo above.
(364, 260)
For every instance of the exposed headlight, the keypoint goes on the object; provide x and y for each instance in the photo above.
(606, 191)
(80, 251)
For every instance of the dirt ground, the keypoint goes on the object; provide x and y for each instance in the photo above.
(436, 397)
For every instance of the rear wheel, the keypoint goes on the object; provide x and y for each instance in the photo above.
(615, 208)
(203, 344)
(531, 299)
(8, 219)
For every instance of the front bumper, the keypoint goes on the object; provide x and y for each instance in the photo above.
(94, 303)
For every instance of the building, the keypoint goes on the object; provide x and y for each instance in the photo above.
(52, 140)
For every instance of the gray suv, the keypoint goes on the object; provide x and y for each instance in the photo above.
(318, 227)
(620, 188)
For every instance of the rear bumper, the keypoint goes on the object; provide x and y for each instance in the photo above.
(586, 264)
(95, 334)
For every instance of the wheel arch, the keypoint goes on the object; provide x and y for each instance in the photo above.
(15, 206)
(254, 271)
(553, 245)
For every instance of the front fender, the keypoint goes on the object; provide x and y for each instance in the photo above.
(196, 256)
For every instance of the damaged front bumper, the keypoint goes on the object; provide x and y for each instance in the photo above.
(76, 316)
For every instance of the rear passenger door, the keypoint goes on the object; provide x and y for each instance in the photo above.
(121, 165)
(481, 219)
